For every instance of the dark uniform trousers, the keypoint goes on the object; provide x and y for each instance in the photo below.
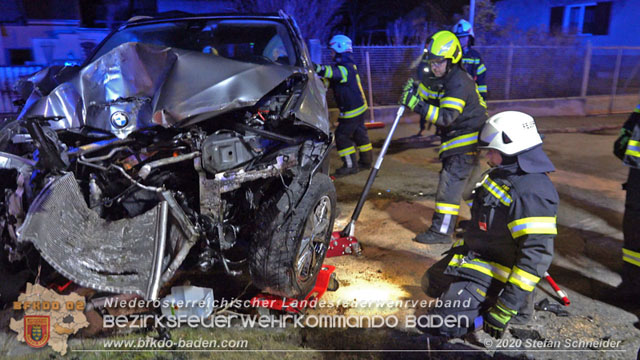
(454, 105)
(351, 134)
(631, 248)
(453, 178)
(462, 299)
(631, 229)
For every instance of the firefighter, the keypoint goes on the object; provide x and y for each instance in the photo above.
(471, 59)
(447, 97)
(351, 134)
(627, 148)
(508, 243)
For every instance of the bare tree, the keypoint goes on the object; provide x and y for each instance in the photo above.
(353, 10)
(316, 18)
(416, 25)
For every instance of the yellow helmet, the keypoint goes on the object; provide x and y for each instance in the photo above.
(444, 45)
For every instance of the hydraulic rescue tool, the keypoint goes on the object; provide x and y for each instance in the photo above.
(344, 242)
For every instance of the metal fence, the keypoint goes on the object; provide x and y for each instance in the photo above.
(513, 72)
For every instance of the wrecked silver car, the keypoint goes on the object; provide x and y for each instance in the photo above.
(178, 142)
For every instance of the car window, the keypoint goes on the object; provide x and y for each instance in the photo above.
(257, 41)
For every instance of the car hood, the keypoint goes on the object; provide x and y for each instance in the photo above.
(135, 86)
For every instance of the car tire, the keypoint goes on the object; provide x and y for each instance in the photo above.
(287, 253)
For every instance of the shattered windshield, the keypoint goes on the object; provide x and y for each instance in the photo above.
(256, 41)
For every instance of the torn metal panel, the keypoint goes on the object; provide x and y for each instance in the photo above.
(137, 85)
(204, 85)
(312, 107)
(123, 256)
(125, 79)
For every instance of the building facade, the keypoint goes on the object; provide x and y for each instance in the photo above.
(604, 23)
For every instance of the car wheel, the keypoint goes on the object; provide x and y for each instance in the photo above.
(286, 256)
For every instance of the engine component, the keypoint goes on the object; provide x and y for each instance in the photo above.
(206, 260)
(146, 169)
(225, 151)
(51, 149)
(95, 193)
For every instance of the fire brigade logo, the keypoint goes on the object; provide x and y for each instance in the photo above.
(36, 332)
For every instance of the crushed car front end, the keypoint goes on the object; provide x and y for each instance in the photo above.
(181, 143)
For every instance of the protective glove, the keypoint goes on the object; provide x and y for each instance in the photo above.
(409, 99)
(409, 85)
(620, 146)
(319, 68)
(497, 319)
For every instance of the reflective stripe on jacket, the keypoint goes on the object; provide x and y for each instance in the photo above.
(510, 238)
(347, 87)
(472, 62)
(632, 151)
(457, 109)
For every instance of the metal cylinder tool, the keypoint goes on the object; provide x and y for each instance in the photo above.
(344, 242)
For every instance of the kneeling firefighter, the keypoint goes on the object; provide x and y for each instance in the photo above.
(508, 244)
(347, 88)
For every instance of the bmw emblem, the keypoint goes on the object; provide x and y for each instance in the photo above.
(119, 119)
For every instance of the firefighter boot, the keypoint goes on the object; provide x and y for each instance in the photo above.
(432, 237)
(525, 313)
(366, 159)
(629, 289)
(350, 166)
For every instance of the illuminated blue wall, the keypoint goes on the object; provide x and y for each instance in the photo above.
(624, 25)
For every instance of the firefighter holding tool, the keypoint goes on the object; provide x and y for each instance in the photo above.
(447, 97)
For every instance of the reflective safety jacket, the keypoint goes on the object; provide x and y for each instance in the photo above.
(457, 110)
(472, 62)
(510, 236)
(632, 151)
(347, 88)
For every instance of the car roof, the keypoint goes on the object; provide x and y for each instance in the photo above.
(180, 15)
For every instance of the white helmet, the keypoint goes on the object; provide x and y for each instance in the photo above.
(340, 44)
(510, 132)
(463, 28)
